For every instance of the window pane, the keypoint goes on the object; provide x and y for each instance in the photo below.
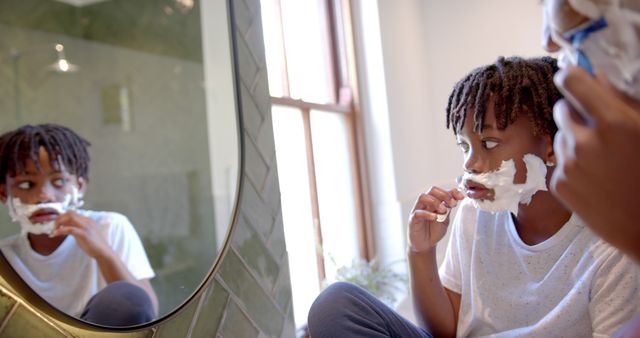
(274, 47)
(336, 193)
(296, 208)
(310, 72)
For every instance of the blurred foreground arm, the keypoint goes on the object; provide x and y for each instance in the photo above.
(598, 148)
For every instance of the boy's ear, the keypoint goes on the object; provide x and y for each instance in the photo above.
(82, 185)
(550, 157)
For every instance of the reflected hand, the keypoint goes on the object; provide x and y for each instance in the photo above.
(597, 148)
(424, 231)
(84, 230)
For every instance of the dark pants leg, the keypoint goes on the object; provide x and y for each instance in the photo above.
(119, 304)
(346, 310)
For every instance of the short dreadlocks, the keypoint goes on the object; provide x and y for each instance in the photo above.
(62, 144)
(516, 86)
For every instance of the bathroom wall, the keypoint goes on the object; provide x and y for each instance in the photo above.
(151, 165)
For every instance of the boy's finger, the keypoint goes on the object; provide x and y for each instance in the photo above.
(457, 195)
(432, 203)
(426, 199)
(442, 195)
(60, 230)
(422, 215)
(61, 219)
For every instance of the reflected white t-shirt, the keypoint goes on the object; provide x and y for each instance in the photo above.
(68, 277)
(571, 285)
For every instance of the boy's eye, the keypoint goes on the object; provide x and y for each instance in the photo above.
(463, 146)
(490, 144)
(25, 185)
(59, 182)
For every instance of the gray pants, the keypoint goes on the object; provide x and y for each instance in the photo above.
(346, 310)
(119, 304)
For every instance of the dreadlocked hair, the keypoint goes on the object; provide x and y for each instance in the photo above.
(64, 147)
(516, 86)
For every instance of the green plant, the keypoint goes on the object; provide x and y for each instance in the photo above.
(381, 280)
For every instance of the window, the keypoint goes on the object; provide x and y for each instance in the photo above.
(317, 135)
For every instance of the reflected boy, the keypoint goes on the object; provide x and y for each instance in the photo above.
(89, 264)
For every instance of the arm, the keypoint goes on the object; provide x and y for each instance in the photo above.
(435, 306)
(597, 150)
(112, 268)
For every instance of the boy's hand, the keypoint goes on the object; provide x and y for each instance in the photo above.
(424, 232)
(85, 231)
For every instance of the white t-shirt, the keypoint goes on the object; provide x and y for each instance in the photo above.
(68, 277)
(571, 285)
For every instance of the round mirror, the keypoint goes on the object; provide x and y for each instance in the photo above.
(150, 85)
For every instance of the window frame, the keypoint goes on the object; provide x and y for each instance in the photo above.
(340, 53)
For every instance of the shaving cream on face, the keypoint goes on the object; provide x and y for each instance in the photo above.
(507, 195)
(22, 213)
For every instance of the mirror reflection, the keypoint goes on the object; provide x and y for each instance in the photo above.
(148, 84)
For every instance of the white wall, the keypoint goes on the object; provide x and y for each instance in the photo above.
(428, 45)
(386, 214)
(221, 119)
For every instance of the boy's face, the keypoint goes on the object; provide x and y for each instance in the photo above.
(484, 152)
(50, 184)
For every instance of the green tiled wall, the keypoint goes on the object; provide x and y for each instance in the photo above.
(158, 27)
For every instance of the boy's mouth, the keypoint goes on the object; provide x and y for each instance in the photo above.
(44, 216)
(478, 191)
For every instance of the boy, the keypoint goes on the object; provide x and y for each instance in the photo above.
(518, 263)
(88, 264)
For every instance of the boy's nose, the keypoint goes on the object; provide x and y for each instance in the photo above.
(45, 194)
(474, 164)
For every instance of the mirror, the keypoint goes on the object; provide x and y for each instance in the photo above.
(149, 83)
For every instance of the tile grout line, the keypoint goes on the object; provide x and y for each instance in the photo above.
(256, 279)
(19, 301)
(196, 313)
(9, 315)
(219, 334)
(238, 302)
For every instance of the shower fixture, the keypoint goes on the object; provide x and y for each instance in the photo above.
(62, 65)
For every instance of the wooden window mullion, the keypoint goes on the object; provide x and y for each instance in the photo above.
(313, 191)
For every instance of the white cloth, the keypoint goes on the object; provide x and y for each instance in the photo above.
(68, 277)
(571, 285)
